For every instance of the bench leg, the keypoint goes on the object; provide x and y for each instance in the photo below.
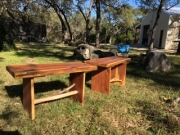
(100, 80)
(28, 96)
(119, 72)
(79, 80)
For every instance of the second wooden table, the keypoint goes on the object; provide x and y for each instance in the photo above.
(110, 70)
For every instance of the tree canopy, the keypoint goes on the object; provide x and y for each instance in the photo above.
(78, 21)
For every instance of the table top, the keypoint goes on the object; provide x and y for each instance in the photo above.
(37, 70)
(108, 61)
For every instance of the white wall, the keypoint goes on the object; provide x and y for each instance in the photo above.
(162, 25)
(170, 24)
(148, 20)
(173, 32)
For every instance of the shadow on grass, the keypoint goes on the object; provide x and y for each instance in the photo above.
(1, 59)
(159, 119)
(46, 50)
(16, 132)
(7, 114)
(1, 82)
(88, 78)
(40, 87)
(168, 79)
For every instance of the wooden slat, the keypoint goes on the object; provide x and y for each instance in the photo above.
(108, 61)
(100, 80)
(36, 70)
(79, 80)
(115, 80)
(50, 66)
(51, 98)
(28, 96)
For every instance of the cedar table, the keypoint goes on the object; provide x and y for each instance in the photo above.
(110, 70)
(30, 71)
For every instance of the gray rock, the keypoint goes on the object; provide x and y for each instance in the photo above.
(84, 52)
(102, 54)
(157, 61)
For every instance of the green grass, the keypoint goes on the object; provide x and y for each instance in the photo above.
(137, 108)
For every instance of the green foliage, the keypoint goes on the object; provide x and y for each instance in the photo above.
(6, 40)
(124, 37)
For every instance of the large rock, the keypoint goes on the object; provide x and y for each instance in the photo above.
(102, 54)
(157, 61)
(85, 51)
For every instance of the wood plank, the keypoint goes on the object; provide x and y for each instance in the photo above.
(28, 96)
(122, 73)
(115, 80)
(79, 80)
(51, 98)
(108, 61)
(45, 66)
(37, 70)
(100, 80)
(115, 74)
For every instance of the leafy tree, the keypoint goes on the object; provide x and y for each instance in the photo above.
(6, 40)
(120, 22)
(98, 21)
(62, 9)
(86, 13)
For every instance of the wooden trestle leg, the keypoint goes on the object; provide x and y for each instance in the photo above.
(118, 73)
(100, 80)
(28, 96)
(79, 80)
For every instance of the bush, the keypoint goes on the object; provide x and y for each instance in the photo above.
(6, 40)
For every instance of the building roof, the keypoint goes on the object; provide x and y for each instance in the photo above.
(172, 11)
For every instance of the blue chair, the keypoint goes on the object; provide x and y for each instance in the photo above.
(123, 48)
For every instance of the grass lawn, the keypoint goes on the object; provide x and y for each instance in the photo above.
(143, 107)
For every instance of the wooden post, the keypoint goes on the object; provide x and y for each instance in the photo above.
(122, 73)
(100, 80)
(79, 80)
(119, 72)
(55, 97)
(28, 96)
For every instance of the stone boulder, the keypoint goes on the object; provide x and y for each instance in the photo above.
(102, 54)
(157, 61)
(84, 52)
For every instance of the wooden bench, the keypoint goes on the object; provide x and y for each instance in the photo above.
(30, 71)
(110, 70)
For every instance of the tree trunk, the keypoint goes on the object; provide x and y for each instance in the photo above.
(98, 21)
(87, 20)
(151, 44)
(58, 12)
(87, 31)
(64, 29)
(69, 28)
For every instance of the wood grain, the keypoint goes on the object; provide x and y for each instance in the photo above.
(38, 70)
(79, 80)
(100, 80)
(108, 61)
(28, 96)
(110, 70)
(29, 71)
